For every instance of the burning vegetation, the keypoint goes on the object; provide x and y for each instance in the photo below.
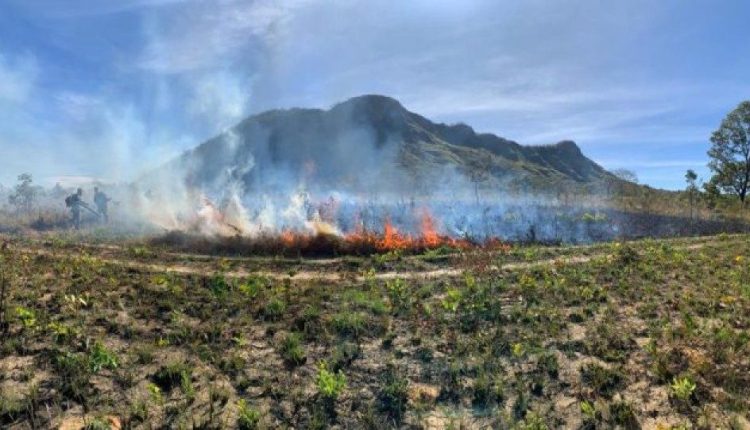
(324, 239)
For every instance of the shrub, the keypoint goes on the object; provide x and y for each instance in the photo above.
(623, 414)
(344, 354)
(172, 375)
(74, 372)
(219, 285)
(394, 394)
(330, 385)
(248, 417)
(97, 424)
(602, 380)
(102, 358)
(291, 350)
(26, 316)
(348, 323)
(548, 364)
(274, 309)
(682, 388)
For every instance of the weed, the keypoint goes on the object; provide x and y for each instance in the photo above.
(330, 385)
(26, 316)
(682, 388)
(344, 354)
(548, 364)
(602, 380)
(219, 285)
(291, 350)
(274, 309)
(102, 358)
(348, 323)
(97, 424)
(173, 375)
(398, 294)
(248, 418)
(393, 395)
(588, 410)
(622, 414)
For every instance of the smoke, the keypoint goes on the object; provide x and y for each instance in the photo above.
(339, 172)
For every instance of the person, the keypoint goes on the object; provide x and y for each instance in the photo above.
(75, 202)
(101, 200)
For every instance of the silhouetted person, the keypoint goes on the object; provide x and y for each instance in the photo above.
(101, 200)
(75, 203)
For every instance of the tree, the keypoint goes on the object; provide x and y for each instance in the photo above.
(24, 194)
(730, 152)
(692, 189)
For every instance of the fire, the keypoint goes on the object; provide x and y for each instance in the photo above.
(429, 235)
(319, 233)
(392, 240)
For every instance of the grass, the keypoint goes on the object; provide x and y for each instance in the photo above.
(511, 340)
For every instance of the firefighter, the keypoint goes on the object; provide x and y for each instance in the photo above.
(75, 203)
(101, 200)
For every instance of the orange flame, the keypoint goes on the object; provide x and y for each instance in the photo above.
(429, 236)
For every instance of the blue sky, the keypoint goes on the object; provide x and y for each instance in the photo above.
(105, 89)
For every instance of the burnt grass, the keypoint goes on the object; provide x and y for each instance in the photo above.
(646, 334)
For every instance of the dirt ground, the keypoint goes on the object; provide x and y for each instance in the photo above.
(646, 334)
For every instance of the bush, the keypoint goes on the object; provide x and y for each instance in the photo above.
(291, 350)
(602, 380)
(393, 395)
(274, 309)
(330, 385)
(623, 414)
(172, 375)
(248, 417)
(682, 388)
(102, 358)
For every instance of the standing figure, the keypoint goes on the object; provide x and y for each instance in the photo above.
(75, 202)
(101, 200)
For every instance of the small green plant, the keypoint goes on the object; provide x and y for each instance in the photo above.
(452, 300)
(548, 364)
(248, 417)
(252, 286)
(60, 332)
(155, 393)
(219, 285)
(102, 358)
(344, 354)
(348, 323)
(533, 422)
(602, 380)
(274, 309)
(682, 388)
(330, 385)
(97, 424)
(394, 394)
(27, 317)
(291, 350)
(173, 375)
(622, 414)
(588, 411)
(398, 294)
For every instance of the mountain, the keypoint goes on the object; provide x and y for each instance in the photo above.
(372, 142)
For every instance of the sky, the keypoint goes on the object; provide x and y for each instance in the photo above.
(108, 89)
